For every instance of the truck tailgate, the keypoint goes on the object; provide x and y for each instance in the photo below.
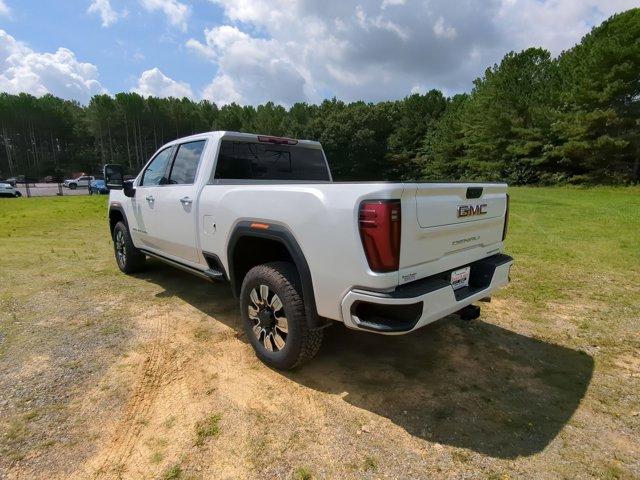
(445, 226)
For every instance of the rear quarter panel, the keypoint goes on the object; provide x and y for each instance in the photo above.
(321, 217)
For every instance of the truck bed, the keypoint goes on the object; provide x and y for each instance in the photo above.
(323, 217)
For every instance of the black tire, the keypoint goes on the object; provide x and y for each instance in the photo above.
(18, 194)
(73, 186)
(300, 343)
(128, 257)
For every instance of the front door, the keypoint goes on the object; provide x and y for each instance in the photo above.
(147, 221)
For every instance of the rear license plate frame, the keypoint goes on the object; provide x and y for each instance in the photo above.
(460, 278)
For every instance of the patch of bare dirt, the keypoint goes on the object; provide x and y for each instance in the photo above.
(485, 399)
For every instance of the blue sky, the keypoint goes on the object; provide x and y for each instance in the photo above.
(251, 51)
(140, 41)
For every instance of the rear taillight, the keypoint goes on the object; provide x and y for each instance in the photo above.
(379, 222)
(506, 220)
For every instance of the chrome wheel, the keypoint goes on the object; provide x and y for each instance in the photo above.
(270, 324)
(120, 248)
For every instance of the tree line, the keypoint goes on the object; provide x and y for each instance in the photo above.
(531, 119)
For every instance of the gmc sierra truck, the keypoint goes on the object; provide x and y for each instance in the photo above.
(301, 251)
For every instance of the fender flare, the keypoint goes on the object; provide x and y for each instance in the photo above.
(286, 238)
(118, 208)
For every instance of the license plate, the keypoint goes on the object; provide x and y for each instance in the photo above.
(460, 278)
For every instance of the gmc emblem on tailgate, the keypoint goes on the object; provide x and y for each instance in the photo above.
(471, 210)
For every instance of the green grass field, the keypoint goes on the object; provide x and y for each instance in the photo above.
(575, 288)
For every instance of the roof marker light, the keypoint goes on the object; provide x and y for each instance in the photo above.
(277, 140)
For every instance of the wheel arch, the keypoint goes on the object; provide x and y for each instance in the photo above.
(279, 240)
(116, 214)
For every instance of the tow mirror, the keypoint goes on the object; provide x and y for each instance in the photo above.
(114, 180)
(114, 177)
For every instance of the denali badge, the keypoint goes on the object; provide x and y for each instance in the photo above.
(466, 240)
(471, 210)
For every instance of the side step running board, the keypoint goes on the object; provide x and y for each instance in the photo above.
(209, 274)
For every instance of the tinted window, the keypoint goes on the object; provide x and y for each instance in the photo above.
(156, 172)
(185, 164)
(259, 161)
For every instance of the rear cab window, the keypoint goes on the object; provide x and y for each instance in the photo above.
(243, 160)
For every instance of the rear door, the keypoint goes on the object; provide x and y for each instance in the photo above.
(175, 208)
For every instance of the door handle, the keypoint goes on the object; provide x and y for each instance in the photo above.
(186, 201)
(149, 198)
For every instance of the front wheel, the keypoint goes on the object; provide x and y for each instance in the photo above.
(129, 258)
(73, 186)
(274, 316)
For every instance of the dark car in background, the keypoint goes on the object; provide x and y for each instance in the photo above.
(98, 187)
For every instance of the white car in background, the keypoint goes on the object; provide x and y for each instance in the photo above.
(8, 190)
(82, 181)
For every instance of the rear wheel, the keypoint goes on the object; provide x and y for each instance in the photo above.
(274, 316)
(128, 257)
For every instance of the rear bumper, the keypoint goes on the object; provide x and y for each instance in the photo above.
(419, 303)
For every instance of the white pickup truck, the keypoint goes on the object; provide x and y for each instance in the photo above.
(302, 251)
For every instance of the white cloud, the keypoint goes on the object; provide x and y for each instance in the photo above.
(443, 31)
(298, 50)
(251, 70)
(24, 70)
(391, 3)
(5, 11)
(554, 24)
(103, 8)
(218, 41)
(222, 91)
(379, 22)
(177, 13)
(154, 83)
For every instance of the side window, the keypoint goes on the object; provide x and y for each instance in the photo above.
(185, 165)
(156, 172)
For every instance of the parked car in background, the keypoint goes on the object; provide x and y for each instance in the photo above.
(82, 181)
(8, 190)
(48, 179)
(21, 179)
(98, 187)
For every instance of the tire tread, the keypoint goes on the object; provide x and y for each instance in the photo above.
(286, 276)
(135, 258)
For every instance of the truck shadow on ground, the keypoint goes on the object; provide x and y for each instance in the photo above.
(469, 385)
